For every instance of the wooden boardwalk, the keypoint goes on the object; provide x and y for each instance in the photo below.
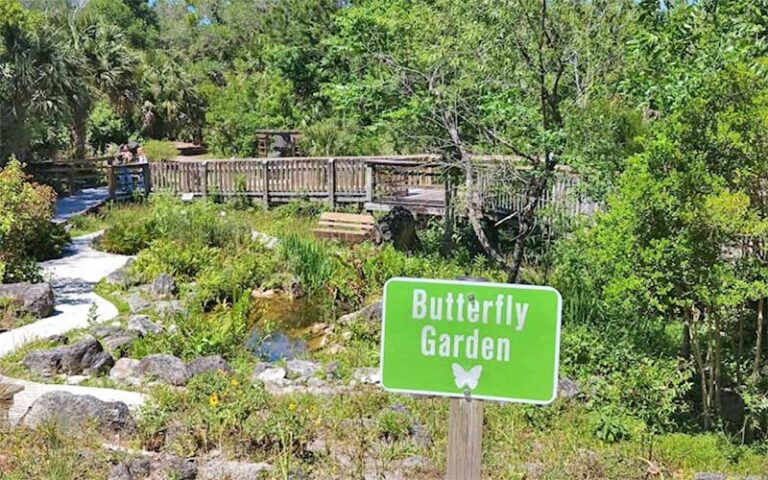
(376, 183)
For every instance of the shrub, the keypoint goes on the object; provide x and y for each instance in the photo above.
(105, 127)
(160, 150)
(26, 233)
(200, 223)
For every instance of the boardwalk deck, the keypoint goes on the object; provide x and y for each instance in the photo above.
(83, 202)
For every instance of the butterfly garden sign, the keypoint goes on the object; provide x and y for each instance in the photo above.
(480, 340)
(473, 341)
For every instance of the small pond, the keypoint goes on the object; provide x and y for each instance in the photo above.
(283, 328)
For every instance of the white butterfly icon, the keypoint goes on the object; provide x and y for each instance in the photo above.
(465, 378)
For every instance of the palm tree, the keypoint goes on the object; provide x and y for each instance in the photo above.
(103, 67)
(171, 100)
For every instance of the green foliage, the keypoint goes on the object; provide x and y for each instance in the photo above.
(309, 260)
(160, 151)
(246, 104)
(105, 127)
(201, 223)
(26, 232)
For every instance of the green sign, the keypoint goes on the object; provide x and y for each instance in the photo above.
(492, 341)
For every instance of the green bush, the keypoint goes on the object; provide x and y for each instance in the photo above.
(233, 274)
(202, 223)
(26, 232)
(105, 127)
(160, 150)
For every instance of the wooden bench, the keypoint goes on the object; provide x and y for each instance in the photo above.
(347, 227)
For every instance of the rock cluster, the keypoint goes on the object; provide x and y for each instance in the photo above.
(157, 466)
(166, 369)
(84, 357)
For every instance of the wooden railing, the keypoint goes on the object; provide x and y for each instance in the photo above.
(70, 176)
(278, 180)
(564, 193)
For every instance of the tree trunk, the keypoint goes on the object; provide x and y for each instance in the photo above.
(79, 133)
(759, 340)
(475, 216)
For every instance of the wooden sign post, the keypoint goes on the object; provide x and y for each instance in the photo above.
(465, 439)
(471, 341)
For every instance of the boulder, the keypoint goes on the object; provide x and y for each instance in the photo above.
(368, 315)
(142, 326)
(122, 277)
(154, 467)
(58, 339)
(125, 370)
(118, 344)
(399, 227)
(366, 376)
(164, 286)
(86, 356)
(35, 299)
(73, 414)
(165, 368)
(211, 364)
(170, 308)
(137, 303)
(104, 331)
(271, 375)
(224, 470)
(301, 369)
(44, 362)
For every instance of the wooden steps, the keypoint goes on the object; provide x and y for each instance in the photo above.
(346, 227)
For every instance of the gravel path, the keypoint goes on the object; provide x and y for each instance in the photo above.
(73, 277)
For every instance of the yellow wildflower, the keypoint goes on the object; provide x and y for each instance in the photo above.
(213, 400)
(235, 382)
(291, 406)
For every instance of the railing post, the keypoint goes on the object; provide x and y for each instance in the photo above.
(370, 182)
(111, 181)
(204, 178)
(71, 182)
(265, 177)
(332, 182)
(147, 178)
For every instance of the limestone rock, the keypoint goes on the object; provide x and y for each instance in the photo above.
(163, 286)
(86, 356)
(103, 331)
(271, 375)
(143, 326)
(137, 303)
(301, 369)
(368, 315)
(122, 277)
(367, 376)
(210, 364)
(125, 369)
(75, 413)
(170, 308)
(118, 344)
(165, 368)
(224, 470)
(155, 467)
(44, 362)
(35, 299)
